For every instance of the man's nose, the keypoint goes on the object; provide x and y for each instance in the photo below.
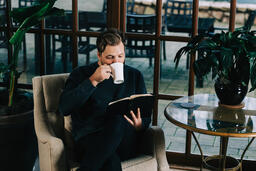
(115, 60)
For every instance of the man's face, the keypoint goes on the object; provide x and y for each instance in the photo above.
(112, 54)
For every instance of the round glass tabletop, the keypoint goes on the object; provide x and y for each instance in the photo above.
(201, 113)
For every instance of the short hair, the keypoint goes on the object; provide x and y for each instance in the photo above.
(110, 37)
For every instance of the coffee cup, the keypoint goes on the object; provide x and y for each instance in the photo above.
(117, 72)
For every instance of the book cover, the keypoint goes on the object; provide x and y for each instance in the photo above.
(123, 106)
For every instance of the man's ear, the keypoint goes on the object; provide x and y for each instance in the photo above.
(99, 55)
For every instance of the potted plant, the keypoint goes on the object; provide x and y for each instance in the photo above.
(230, 57)
(18, 140)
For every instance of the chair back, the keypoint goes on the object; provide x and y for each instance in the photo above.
(173, 7)
(138, 47)
(47, 90)
(3, 37)
(2, 3)
(178, 12)
(250, 21)
(130, 6)
(27, 3)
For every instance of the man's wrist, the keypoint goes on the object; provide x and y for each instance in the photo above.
(93, 81)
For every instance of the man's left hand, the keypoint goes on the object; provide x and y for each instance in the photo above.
(136, 121)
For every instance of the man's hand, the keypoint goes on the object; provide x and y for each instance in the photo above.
(102, 72)
(136, 121)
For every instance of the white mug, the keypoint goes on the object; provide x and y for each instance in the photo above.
(117, 72)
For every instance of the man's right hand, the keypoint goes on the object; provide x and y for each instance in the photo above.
(102, 72)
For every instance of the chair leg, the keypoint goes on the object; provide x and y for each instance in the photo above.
(88, 52)
(24, 54)
(164, 50)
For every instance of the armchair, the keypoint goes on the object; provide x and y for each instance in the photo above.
(55, 142)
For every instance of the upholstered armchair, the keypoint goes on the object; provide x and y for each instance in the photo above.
(55, 142)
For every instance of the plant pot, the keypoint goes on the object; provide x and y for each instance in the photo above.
(230, 94)
(18, 143)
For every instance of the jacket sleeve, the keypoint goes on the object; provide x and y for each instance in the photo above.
(78, 89)
(141, 89)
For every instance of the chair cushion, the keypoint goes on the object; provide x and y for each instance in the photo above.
(143, 162)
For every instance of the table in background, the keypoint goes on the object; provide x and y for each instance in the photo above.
(200, 113)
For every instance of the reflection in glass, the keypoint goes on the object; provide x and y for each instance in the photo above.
(28, 62)
(173, 81)
(87, 51)
(58, 53)
(227, 120)
(178, 16)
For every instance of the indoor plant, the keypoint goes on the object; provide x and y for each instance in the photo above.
(230, 56)
(26, 17)
(18, 140)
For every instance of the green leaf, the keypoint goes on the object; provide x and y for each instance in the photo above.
(55, 12)
(20, 14)
(253, 76)
(27, 23)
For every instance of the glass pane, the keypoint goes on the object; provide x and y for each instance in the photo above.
(3, 46)
(58, 53)
(177, 18)
(92, 5)
(87, 50)
(209, 144)
(204, 84)
(92, 15)
(140, 21)
(246, 13)
(141, 6)
(173, 81)
(144, 62)
(216, 10)
(175, 137)
(22, 4)
(28, 62)
(60, 22)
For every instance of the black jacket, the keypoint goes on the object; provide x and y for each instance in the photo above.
(87, 104)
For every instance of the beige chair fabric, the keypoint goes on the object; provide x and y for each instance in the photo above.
(55, 142)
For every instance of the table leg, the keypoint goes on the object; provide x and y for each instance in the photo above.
(200, 149)
(223, 152)
(246, 148)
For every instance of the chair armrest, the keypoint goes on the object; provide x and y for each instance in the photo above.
(153, 143)
(51, 148)
(52, 155)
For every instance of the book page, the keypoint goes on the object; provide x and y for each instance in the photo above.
(126, 98)
(131, 97)
(139, 95)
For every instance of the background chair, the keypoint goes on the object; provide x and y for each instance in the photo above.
(250, 20)
(55, 143)
(178, 13)
(137, 47)
(3, 37)
(27, 3)
(90, 21)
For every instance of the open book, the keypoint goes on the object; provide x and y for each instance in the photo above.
(123, 106)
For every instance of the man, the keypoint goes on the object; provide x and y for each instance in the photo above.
(103, 141)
